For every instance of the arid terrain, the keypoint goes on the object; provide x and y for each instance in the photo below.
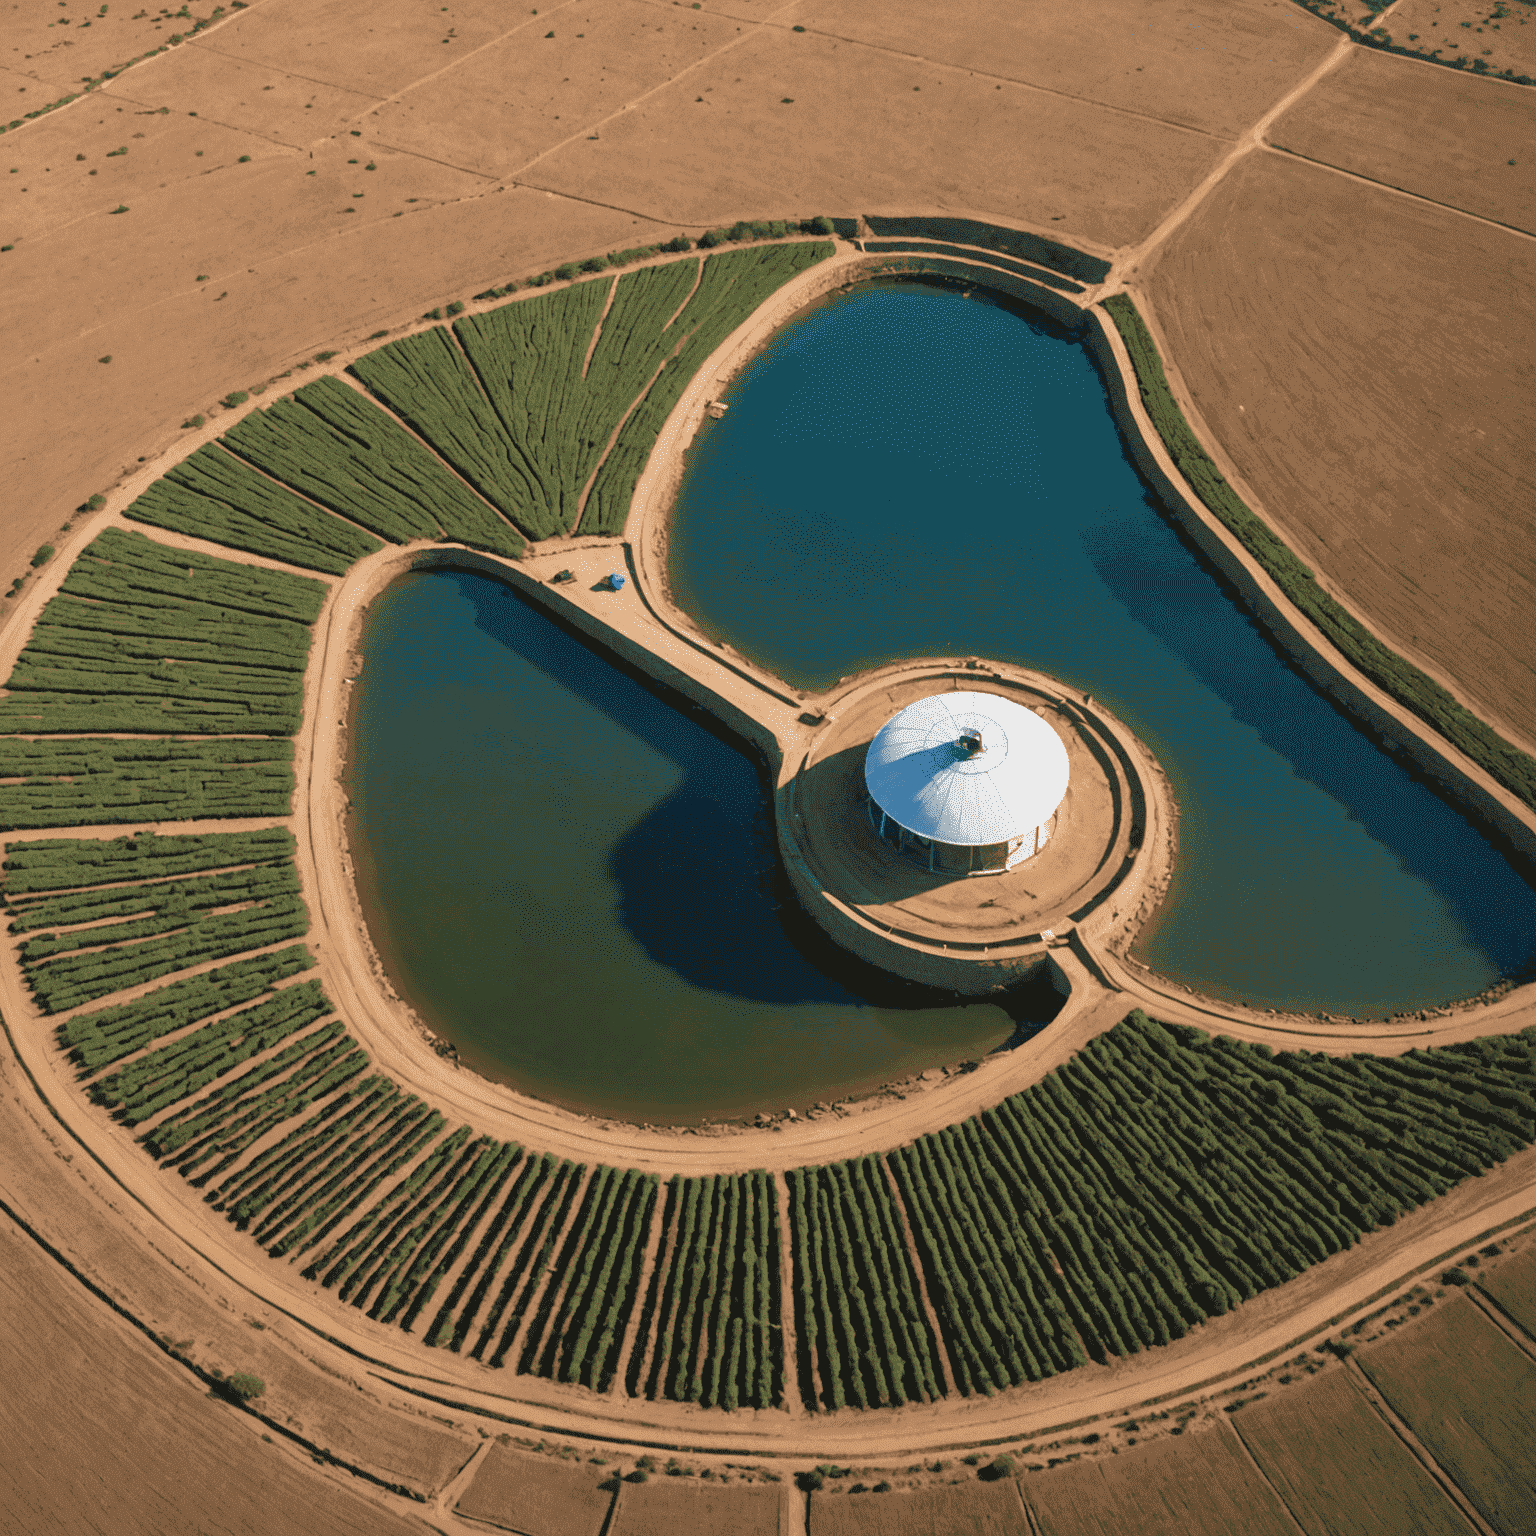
(1331, 246)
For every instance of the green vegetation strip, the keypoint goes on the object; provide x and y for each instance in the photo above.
(212, 495)
(1413, 689)
(338, 448)
(147, 639)
(68, 863)
(170, 925)
(510, 400)
(87, 781)
(713, 1305)
(1157, 1179)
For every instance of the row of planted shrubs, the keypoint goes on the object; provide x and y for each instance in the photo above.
(1398, 677)
(1155, 1180)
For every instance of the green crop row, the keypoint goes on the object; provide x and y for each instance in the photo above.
(88, 782)
(200, 645)
(168, 903)
(557, 408)
(341, 450)
(577, 1330)
(995, 237)
(1393, 674)
(96, 1040)
(730, 288)
(708, 1330)
(168, 1075)
(72, 979)
(214, 496)
(861, 1327)
(1162, 1176)
(513, 1246)
(133, 570)
(72, 863)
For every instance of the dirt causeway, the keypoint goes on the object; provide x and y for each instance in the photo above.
(1445, 136)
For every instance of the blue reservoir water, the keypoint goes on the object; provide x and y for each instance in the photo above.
(576, 882)
(908, 471)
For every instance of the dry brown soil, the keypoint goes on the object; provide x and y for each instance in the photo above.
(103, 1434)
(1501, 32)
(1198, 63)
(537, 1495)
(1513, 1287)
(1360, 358)
(1469, 1395)
(1449, 137)
(1339, 1467)
(963, 1509)
(1202, 1483)
(665, 1506)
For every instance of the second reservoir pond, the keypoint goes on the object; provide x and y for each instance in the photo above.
(576, 883)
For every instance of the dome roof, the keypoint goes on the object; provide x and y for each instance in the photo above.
(967, 768)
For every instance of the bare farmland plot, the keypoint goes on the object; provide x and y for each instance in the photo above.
(1210, 66)
(537, 1495)
(1338, 1465)
(527, 93)
(1512, 1285)
(1448, 137)
(1199, 1484)
(1501, 34)
(374, 49)
(1470, 1396)
(73, 1371)
(865, 131)
(666, 1506)
(1377, 402)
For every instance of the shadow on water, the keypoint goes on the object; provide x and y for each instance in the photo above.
(1266, 693)
(702, 887)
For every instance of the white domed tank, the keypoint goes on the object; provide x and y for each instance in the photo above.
(967, 783)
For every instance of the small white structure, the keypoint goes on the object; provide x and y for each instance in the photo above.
(967, 782)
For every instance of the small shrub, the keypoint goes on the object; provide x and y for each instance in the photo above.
(43, 556)
(235, 397)
(880, 1487)
(639, 1475)
(244, 159)
(243, 1388)
(324, 357)
(997, 1469)
(94, 503)
(1456, 1276)
(377, 334)
(433, 314)
(677, 244)
(821, 225)
(809, 1482)
(594, 264)
(456, 308)
(566, 271)
(106, 359)
(121, 208)
(711, 238)
(192, 421)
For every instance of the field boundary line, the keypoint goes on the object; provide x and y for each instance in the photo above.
(750, 30)
(1247, 142)
(1264, 1477)
(1416, 1447)
(767, 22)
(458, 62)
(1501, 1320)
(1396, 191)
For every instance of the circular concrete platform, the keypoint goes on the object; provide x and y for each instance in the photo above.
(969, 934)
